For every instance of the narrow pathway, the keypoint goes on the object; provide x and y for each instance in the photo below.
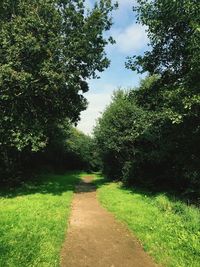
(96, 239)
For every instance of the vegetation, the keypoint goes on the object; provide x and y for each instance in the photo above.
(147, 137)
(168, 229)
(33, 220)
(151, 134)
(68, 149)
(47, 51)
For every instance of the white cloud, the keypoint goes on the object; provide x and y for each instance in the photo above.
(97, 104)
(131, 39)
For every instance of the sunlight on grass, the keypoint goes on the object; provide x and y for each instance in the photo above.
(33, 221)
(169, 230)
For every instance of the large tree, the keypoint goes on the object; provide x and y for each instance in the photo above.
(48, 48)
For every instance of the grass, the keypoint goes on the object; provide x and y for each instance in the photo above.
(33, 221)
(168, 229)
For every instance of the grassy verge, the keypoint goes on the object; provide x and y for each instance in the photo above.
(33, 221)
(168, 229)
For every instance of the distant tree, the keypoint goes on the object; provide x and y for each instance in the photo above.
(80, 148)
(69, 148)
(117, 132)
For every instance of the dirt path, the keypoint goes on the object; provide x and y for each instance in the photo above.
(95, 239)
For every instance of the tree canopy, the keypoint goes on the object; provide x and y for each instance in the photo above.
(48, 50)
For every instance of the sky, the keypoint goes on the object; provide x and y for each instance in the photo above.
(131, 39)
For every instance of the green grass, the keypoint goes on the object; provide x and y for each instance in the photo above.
(168, 229)
(33, 221)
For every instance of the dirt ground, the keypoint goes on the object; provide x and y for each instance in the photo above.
(96, 239)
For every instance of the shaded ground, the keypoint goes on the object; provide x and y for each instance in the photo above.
(95, 239)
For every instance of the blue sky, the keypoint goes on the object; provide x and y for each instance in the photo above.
(131, 39)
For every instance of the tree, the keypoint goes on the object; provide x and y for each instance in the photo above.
(139, 143)
(48, 49)
(80, 151)
(174, 35)
(117, 134)
(68, 149)
(173, 31)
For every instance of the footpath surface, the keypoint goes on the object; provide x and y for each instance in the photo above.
(95, 238)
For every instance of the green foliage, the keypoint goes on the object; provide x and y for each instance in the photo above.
(116, 132)
(174, 38)
(151, 134)
(141, 140)
(168, 229)
(82, 147)
(48, 49)
(33, 220)
(69, 149)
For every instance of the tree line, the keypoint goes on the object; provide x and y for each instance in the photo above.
(150, 135)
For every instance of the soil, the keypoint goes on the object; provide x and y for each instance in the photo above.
(96, 239)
